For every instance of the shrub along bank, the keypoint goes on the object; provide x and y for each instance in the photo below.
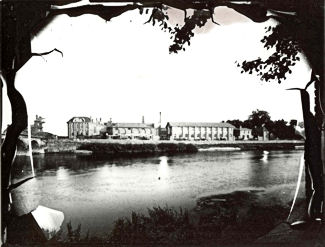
(137, 148)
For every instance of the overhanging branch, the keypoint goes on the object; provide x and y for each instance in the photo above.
(47, 52)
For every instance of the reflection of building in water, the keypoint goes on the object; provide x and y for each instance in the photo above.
(200, 131)
(260, 170)
(79, 127)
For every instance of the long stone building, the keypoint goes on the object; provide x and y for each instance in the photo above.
(131, 130)
(84, 127)
(200, 131)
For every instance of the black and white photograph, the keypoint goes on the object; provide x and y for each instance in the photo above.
(162, 123)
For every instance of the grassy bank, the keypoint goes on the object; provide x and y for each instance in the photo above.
(234, 219)
(137, 148)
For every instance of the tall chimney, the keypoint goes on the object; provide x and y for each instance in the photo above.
(159, 119)
(143, 119)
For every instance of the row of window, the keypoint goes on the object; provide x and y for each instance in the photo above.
(200, 128)
(200, 133)
(202, 136)
(125, 130)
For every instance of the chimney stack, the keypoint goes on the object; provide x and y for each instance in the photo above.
(143, 119)
(159, 119)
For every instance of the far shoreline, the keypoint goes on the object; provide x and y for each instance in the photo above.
(132, 147)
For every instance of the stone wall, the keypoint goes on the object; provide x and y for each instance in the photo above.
(62, 146)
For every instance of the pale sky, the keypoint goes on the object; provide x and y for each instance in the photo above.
(122, 69)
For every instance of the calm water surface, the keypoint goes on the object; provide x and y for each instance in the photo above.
(95, 192)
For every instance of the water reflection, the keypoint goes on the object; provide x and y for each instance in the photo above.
(265, 156)
(163, 173)
(97, 190)
(273, 167)
(62, 174)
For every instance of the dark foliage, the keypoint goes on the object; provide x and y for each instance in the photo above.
(162, 225)
(236, 122)
(181, 35)
(277, 65)
(283, 131)
(135, 148)
(259, 118)
(73, 234)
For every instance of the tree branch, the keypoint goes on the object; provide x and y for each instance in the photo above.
(211, 14)
(46, 53)
(151, 16)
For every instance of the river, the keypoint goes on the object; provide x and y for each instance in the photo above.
(96, 191)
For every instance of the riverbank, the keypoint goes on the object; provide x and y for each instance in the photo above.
(237, 219)
(105, 146)
(119, 149)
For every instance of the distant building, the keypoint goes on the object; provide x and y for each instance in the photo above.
(200, 131)
(84, 127)
(131, 131)
(38, 124)
(243, 133)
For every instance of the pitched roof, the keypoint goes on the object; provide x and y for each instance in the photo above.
(80, 119)
(132, 125)
(199, 124)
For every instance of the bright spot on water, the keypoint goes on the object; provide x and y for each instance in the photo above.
(163, 172)
(62, 174)
(104, 172)
(265, 156)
